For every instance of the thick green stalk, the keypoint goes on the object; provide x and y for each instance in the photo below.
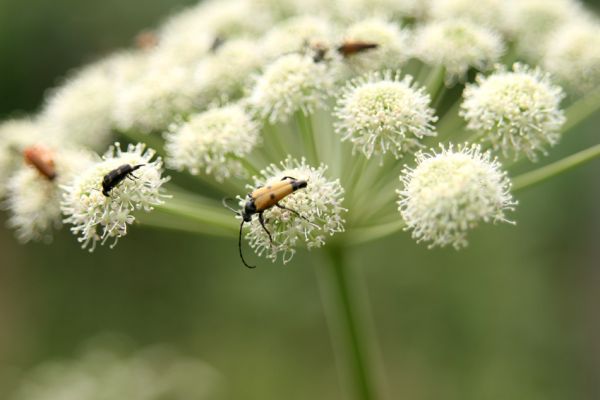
(346, 307)
(548, 171)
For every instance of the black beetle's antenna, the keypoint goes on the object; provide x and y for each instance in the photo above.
(225, 199)
(240, 247)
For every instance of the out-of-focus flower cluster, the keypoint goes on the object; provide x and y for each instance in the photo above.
(153, 373)
(228, 90)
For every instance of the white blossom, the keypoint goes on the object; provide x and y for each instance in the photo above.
(319, 208)
(96, 217)
(381, 113)
(517, 111)
(573, 55)
(450, 192)
(213, 142)
(457, 45)
(292, 83)
(33, 200)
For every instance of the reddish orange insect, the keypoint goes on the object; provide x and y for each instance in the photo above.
(350, 48)
(146, 40)
(42, 159)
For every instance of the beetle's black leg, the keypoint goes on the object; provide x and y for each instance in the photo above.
(262, 223)
(289, 177)
(132, 177)
(240, 248)
(289, 209)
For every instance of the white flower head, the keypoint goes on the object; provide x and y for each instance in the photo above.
(15, 135)
(213, 142)
(530, 22)
(319, 208)
(352, 10)
(297, 34)
(191, 32)
(154, 373)
(292, 83)
(163, 91)
(381, 113)
(391, 41)
(457, 45)
(488, 13)
(573, 55)
(517, 111)
(96, 217)
(33, 200)
(450, 192)
(224, 75)
(80, 111)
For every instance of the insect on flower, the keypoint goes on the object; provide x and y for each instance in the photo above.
(350, 48)
(346, 49)
(263, 198)
(42, 159)
(116, 176)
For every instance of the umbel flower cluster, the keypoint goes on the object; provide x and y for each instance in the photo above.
(397, 114)
(101, 373)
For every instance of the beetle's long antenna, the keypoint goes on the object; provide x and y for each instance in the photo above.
(240, 247)
(225, 199)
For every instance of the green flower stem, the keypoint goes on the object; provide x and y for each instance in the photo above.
(435, 85)
(191, 213)
(306, 131)
(346, 307)
(546, 172)
(581, 109)
(273, 143)
(450, 122)
(366, 234)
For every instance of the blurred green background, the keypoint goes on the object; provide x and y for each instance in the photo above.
(514, 316)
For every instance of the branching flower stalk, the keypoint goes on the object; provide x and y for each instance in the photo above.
(418, 132)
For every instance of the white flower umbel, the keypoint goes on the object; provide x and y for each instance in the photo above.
(290, 84)
(33, 201)
(489, 13)
(297, 34)
(96, 217)
(213, 142)
(381, 113)
(103, 374)
(352, 10)
(163, 91)
(530, 22)
(517, 111)
(15, 134)
(225, 74)
(319, 204)
(573, 55)
(392, 44)
(450, 192)
(457, 45)
(80, 111)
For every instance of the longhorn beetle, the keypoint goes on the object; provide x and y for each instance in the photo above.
(262, 199)
(116, 176)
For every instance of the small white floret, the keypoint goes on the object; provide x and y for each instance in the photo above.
(452, 191)
(517, 111)
(213, 142)
(381, 113)
(96, 217)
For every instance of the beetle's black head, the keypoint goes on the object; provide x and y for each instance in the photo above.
(249, 210)
(299, 184)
